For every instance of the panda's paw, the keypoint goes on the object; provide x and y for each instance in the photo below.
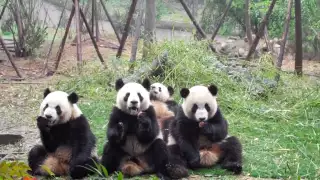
(120, 128)
(194, 163)
(234, 167)
(176, 171)
(42, 123)
(144, 124)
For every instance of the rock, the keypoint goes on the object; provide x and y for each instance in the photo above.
(230, 41)
(224, 46)
(242, 52)
(6, 139)
(234, 37)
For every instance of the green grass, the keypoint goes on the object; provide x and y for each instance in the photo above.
(280, 133)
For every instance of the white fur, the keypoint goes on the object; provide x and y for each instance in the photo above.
(200, 95)
(133, 147)
(171, 140)
(163, 96)
(133, 88)
(68, 111)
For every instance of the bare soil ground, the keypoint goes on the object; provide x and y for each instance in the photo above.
(20, 99)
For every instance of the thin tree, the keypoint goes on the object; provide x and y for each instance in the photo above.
(126, 28)
(221, 20)
(298, 29)
(261, 30)
(137, 32)
(149, 26)
(284, 35)
(248, 21)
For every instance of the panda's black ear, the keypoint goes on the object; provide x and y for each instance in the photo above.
(73, 98)
(213, 90)
(171, 90)
(146, 84)
(46, 92)
(119, 84)
(184, 92)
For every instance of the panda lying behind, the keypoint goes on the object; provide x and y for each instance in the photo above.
(199, 135)
(135, 144)
(67, 142)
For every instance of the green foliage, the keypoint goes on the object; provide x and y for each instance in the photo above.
(310, 18)
(279, 133)
(13, 170)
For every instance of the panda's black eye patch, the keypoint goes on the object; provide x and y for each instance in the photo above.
(194, 108)
(47, 105)
(140, 97)
(58, 109)
(126, 97)
(159, 89)
(207, 107)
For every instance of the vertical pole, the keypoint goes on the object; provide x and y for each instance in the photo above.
(79, 48)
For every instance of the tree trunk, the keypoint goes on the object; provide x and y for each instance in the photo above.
(298, 29)
(20, 51)
(248, 22)
(195, 23)
(137, 30)
(96, 15)
(221, 20)
(284, 35)
(149, 26)
(261, 30)
(126, 28)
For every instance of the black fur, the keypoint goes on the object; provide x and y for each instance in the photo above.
(119, 84)
(146, 84)
(213, 90)
(73, 98)
(145, 129)
(186, 132)
(46, 92)
(184, 92)
(171, 90)
(75, 134)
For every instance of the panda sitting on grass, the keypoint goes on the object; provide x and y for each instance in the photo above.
(135, 145)
(68, 145)
(199, 135)
(163, 103)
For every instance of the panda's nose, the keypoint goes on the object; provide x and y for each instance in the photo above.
(202, 119)
(48, 116)
(134, 102)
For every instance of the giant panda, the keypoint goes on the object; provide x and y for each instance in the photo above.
(163, 103)
(68, 145)
(135, 145)
(199, 135)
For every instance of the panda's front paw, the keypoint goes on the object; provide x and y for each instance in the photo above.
(144, 123)
(194, 163)
(42, 123)
(120, 128)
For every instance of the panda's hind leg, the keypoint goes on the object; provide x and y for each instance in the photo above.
(164, 167)
(79, 171)
(111, 157)
(232, 155)
(36, 157)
